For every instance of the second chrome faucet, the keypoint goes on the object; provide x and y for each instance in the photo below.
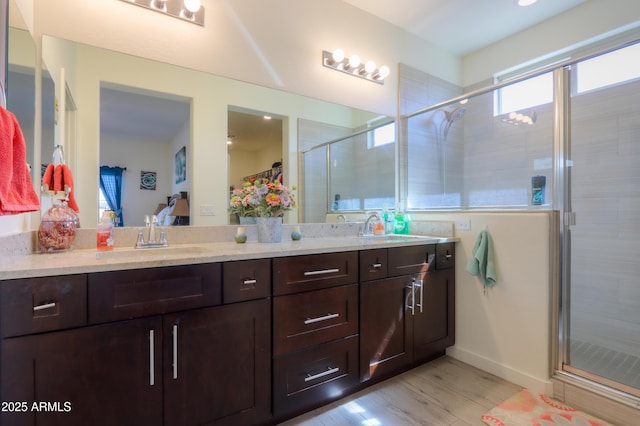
(151, 222)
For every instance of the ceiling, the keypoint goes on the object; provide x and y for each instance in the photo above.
(463, 26)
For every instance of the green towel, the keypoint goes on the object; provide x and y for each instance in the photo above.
(481, 262)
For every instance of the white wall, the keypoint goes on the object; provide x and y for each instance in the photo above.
(507, 330)
(136, 156)
(588, 22)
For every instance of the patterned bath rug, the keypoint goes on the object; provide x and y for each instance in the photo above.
(528, 409)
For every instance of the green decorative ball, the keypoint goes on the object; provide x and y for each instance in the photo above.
(295, 235)
(240, 238)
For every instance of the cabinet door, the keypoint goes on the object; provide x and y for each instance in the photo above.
(217, 365)
(386, 327)
(434, 320)
(101, 375)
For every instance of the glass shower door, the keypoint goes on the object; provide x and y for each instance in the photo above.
(603, 322)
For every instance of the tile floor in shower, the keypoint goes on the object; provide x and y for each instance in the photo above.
(613, 365)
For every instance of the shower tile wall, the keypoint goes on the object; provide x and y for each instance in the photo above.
(362, 176)
(487, 163)
(314, 199)
(417, 148)
(500, 158)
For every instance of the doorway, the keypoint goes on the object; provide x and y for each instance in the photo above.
(254, 146)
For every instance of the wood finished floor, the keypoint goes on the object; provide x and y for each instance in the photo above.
(442, 392)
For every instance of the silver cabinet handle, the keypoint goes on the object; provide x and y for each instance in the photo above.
(448, 256)
(249, 282)
(377, 265)
(321, 272)
(324, 373)
(318, 319)
(175, 351)
(152, 364)
(45, 306)
(419, 284)
(411, 294)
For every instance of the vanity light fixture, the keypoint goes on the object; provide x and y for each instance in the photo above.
(187, 10)
(519, 118)
(353, 65)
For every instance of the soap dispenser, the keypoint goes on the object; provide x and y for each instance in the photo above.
(105, 232)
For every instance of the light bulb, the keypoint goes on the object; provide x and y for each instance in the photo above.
(192, 5)
(370, 67)
(354, 61)
(383, 72)
(338, 55)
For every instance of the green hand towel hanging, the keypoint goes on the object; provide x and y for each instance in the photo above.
(481, 262)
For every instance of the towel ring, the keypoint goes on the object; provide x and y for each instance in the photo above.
(58, 155)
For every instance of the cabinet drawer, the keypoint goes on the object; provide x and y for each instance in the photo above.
(314, 271)
(411, 259)
(314, 317)
(314, 376)
(246, 280)
(140, 292)
(35, 305)
(373, 264)
(445, 256)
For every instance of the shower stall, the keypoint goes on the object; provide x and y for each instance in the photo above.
(473, 152)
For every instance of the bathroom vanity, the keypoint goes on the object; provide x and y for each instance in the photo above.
(230, 334)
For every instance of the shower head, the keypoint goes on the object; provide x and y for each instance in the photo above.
(452, 117)
(455, 115)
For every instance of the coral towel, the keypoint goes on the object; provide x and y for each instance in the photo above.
(17, 194)
(58, 178)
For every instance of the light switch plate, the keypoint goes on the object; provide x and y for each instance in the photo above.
(463, 225)
(207, 210)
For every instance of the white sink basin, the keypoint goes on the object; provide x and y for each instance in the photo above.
(156, 252)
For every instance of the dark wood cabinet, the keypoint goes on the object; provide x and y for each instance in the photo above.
(217, 367)
(315, 337)
(234, 343)
(100, 375)
(407, 318)
(386, 345)
(434, 323)
(183, 359)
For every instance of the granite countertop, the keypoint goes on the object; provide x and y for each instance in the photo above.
(86, 260)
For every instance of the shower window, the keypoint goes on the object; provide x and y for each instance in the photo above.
(526, 94)
(382, 135)
(611, 68)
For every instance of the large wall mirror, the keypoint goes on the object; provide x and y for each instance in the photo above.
(139, 114)
(20, 90)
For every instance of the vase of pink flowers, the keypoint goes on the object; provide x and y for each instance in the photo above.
(267, 202)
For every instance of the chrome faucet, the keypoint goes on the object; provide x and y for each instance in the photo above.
(152, 229)
(368, 226)
(151, 223)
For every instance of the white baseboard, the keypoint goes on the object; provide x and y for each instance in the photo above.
(534, 384)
